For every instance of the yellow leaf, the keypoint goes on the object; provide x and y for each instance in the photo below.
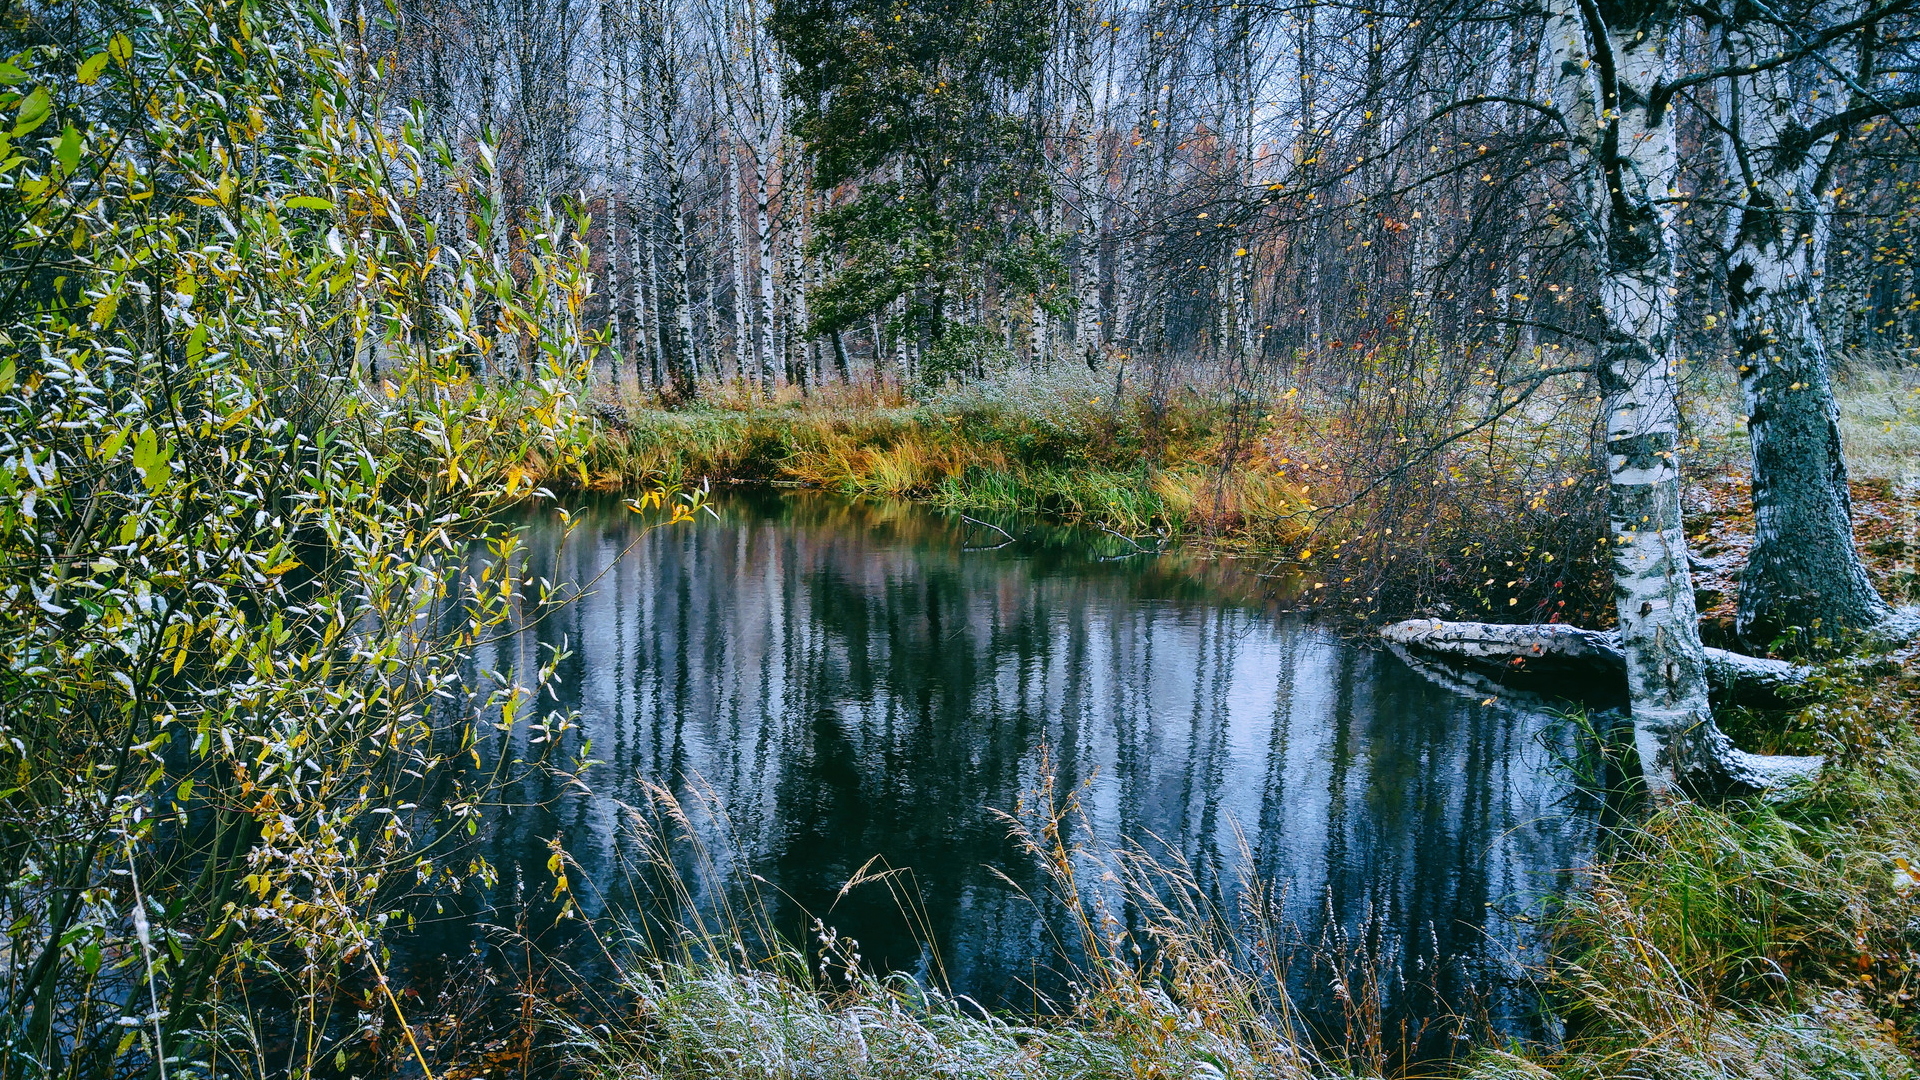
(89, 72)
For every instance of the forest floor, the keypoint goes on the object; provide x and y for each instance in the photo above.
(1750, 939)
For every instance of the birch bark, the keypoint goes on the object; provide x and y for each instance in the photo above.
(1803, 572)
(737, 260)
(763, 236)
(681, 361)
(1607, 59)
(1089, 182)
(611, 102)
(1128, 286)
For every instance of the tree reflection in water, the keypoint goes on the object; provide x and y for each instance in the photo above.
(850, 680)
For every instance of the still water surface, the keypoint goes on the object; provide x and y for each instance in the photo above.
(849, 679)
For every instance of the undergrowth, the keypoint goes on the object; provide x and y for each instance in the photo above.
(1164, 983)
(1757, 939)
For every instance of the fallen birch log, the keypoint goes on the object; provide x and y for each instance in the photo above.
(1558, 647)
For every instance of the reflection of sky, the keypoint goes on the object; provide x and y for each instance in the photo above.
(850, 682)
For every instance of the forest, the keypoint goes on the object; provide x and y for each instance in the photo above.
(994, 538)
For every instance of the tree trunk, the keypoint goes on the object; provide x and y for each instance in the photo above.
(646, 289)
(1129, 288)
(1608, 58)
(682, 363)
(1803, 573)
(737, 260)
(685, 360)
(1090, 177)
(763, 226)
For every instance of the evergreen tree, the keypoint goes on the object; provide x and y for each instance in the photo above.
(914, 106)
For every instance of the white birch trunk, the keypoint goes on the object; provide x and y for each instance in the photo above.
(1090, 182)
(1128, 285)
(506, 346)
(763, 237)
(686, 361)
(609, 158)
(805, 274)
(681, 362)
(652, 304)
(737, 261)
(1625, 164)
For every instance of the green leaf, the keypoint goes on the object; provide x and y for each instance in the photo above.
(308, 202)
(89, 72)
(157, 475)
(11, 75)
(150, 457)
(33, 111)
(112, 445)
(197, 344)
(103, 311)
(146, 447)
(90, 957)
(67, 151)
(7, 374)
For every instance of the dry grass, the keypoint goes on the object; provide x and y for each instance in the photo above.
(1880, 420)
(1362, 515)
(1169, 993)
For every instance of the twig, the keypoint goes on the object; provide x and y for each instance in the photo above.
(989, 525)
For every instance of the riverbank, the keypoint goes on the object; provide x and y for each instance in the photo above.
(1312, 484)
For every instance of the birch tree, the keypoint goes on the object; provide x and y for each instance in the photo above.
(1790, 86)
(1608, 60)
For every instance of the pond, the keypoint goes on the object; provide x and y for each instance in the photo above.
(824, 681)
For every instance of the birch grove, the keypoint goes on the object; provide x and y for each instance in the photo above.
(1334, 145)
(1480, 199)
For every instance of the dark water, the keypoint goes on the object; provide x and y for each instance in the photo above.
(846, 680)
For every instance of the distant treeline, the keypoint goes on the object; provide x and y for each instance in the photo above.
(812, 190)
